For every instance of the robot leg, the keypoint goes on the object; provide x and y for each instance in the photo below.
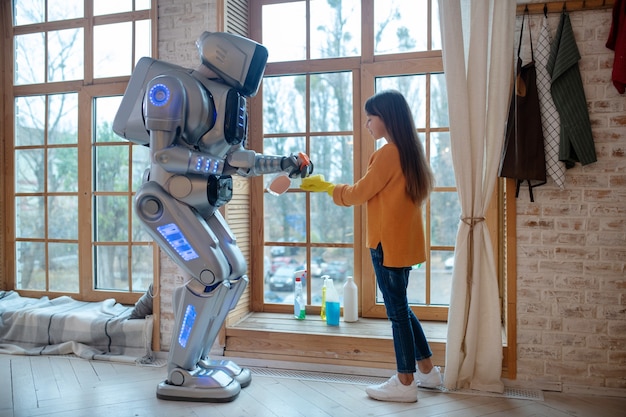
(241, 375)
(196, 308)
(238, 283)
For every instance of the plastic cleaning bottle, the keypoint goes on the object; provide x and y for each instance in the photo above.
(332, 304)
(299, 306)
(350, 301)
(323, 309)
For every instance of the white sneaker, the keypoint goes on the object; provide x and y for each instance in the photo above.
(430, 380)
(393, 390)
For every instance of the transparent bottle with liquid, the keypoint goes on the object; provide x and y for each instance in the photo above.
(299, 310)
(323, 308)
(333, 308)
(350, 301)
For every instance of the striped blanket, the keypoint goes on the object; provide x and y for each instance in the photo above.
(91, 330)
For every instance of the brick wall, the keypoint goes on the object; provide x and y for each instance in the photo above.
(571, 271)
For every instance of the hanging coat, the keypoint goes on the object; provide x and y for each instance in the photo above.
(523, 156)
(576, 144)
(617, 43)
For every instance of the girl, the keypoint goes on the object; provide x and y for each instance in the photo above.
(397, 182)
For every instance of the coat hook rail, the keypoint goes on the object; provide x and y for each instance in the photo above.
(568, 5)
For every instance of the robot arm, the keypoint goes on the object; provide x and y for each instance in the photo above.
(252, 164)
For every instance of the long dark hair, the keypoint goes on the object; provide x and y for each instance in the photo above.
(393, 109)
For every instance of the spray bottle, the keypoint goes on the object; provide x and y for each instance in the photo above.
(299, 306)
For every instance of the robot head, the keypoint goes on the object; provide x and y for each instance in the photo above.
(239, 61)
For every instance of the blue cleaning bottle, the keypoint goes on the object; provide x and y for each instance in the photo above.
(333, 308)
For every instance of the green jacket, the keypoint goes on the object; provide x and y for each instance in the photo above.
(576, 144)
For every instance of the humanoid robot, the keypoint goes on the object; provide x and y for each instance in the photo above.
(195, 123)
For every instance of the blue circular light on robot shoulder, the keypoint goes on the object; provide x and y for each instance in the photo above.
(159, 95)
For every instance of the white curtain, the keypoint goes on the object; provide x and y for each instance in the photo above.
(478, 48)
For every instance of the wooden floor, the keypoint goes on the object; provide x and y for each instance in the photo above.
(72, 387)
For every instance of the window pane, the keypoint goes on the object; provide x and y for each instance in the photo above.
(62, 217)
(438, 101)
(444, 218)
(400, 26)
(63, 268)
(104, 113)
(285, 217)
(283, 146)
(143, 39)
(101, 7)
(139, 232)
(416, 291)
(335, 28)
(413, 87)
(29, 175)
(337, 264)
(63, 118)
(111, 168)
(330, 223)
(333, 158)
(29, 217)
(112, 50)
(441, 277)
(436, 30)
(111, 267)
(283, 104)
(111, 218)
(284, 31)
(142, 4)
(29, 64)
(29, 120)
(282, 263)
(141, 161)
(142, 265)
(26, 12)
(65, 55)
(65, 9)
(331, 102)
(63, 170)
(31, 265)
(441, 159)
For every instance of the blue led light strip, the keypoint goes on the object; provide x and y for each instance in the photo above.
(177, 241)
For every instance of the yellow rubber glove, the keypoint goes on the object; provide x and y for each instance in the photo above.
(317, 184)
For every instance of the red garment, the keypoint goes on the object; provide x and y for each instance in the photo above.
(617, 43)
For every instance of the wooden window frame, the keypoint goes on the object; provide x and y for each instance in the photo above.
(87, 89)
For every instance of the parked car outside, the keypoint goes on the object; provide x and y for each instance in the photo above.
(337, 270)
(284, 279)
(281, 261)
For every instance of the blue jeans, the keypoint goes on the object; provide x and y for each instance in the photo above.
(409, 341)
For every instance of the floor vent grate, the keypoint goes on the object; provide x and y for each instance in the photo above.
(509, 392)
(316, 376)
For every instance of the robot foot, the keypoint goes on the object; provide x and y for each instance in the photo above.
(241, 375)
(202, 385)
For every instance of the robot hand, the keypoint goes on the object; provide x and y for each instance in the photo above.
(316, 183)
(297, 165)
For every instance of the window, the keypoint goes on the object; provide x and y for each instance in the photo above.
(324, 62)
(72, 188)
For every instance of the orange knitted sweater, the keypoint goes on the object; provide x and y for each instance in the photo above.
(392, 218)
